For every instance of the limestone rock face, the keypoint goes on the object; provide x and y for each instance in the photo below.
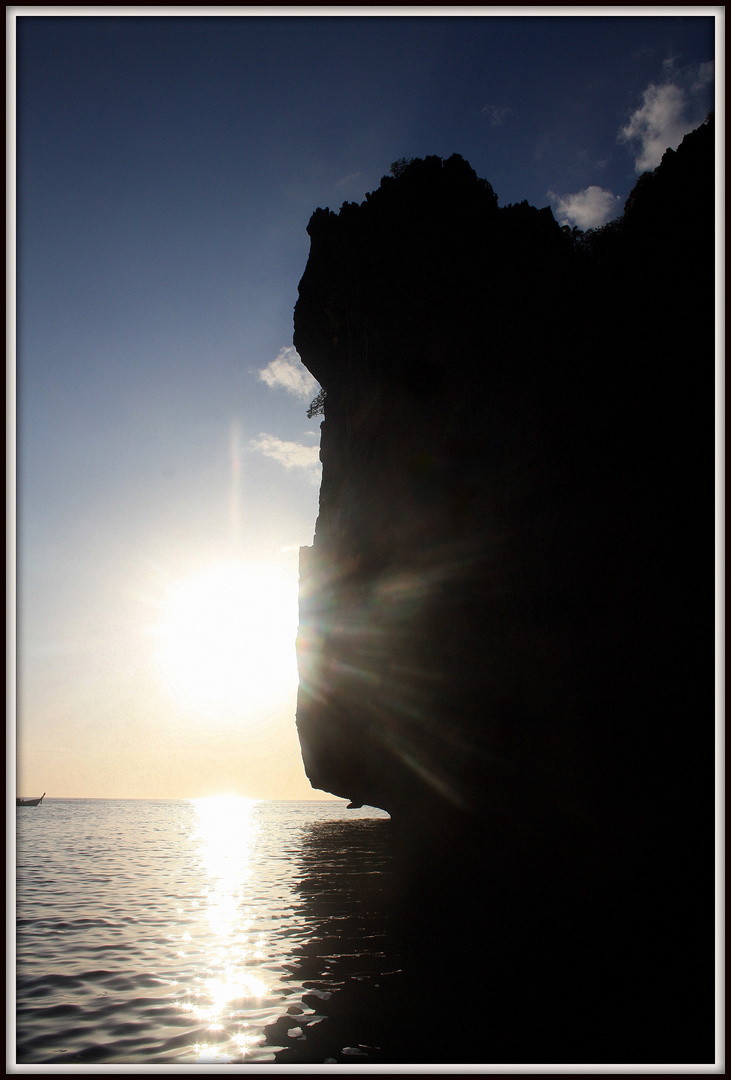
(506, 629)
(517, 435)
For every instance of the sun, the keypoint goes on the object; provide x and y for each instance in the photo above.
(227, 637)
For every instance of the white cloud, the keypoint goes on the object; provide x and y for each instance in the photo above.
(589, 209)
(659, 123)
(668, 112)
(292, 455)
(288, 373)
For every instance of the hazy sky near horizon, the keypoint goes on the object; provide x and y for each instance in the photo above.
(167, 474)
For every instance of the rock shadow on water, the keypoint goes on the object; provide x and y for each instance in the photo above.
(396, 971)
(349, 962)
(455, 968)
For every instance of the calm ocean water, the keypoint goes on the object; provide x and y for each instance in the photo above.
(205, 931)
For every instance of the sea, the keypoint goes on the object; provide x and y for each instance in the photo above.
(216, 931)
(238, 934)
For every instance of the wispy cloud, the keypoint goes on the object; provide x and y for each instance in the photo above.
(495, 114)
(287, 372)
(292, 455)
(668, 112)
(348, 179)
(589, 209)
(704, 77)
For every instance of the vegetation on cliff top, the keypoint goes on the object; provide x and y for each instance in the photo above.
(432, 237)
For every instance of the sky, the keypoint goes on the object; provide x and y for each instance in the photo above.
(166, 167)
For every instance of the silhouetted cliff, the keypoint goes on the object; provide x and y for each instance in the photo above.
(506, 617)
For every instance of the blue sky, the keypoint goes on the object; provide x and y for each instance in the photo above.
(166, 171)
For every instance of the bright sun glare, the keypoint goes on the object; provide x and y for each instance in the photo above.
(227, 639)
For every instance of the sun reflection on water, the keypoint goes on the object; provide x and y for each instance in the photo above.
(224, 838)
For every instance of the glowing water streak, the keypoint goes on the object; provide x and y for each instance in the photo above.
(225, 833)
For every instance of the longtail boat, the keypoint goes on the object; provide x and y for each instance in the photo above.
(30, 802)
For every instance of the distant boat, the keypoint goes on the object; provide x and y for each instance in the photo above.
(30, 802)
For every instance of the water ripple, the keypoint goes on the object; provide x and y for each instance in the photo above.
(185, 932)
